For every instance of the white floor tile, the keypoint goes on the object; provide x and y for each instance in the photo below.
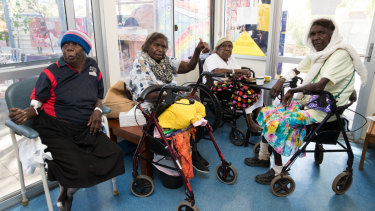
(11, 165)
(4, 172)
(8, 185)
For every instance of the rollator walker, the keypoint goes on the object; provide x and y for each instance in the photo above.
(142, 185)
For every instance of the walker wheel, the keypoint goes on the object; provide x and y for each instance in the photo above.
(186, 206)
(318, 154)
(282, 185)
(142, 186)
(342, 182)
(237, 137)
(256, 149)
(230, 175)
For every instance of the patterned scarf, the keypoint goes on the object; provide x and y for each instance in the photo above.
(163, 70)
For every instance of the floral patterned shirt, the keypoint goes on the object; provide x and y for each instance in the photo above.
(141, 77)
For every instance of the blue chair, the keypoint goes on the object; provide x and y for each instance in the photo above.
(18, 96)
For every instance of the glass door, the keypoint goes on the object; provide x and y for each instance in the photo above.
(354, 19)
(136, 20)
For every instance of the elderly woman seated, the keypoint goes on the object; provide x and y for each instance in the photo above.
(154, 67)
(67, 110)
(222, 62)
(330, 66)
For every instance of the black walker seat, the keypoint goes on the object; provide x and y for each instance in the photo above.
(321, 133)
(142, 185)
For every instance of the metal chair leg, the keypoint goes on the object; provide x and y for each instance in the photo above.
(45, 183)
(25, 201)
(45, 187)
(114, 183)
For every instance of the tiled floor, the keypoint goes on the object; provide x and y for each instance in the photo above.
(9, 177)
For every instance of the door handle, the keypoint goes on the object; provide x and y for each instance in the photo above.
(369, 54)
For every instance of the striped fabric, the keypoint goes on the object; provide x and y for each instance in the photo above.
(78, 37)
(221, 41)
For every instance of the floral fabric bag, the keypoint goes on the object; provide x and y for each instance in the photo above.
(240, 95)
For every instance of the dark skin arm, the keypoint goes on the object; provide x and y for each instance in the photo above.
(20, 116)
(278, 87)
(236, 71)
(95, 121)
(319, 86)
(186, 67)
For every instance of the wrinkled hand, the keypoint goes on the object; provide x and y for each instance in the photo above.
(287, 99)
(18, 115)
(202, 46)
(277, 88)
(95, 122)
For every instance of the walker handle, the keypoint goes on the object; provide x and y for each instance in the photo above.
(161, 88)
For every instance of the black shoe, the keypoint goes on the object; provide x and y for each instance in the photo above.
(198, 164)
(257, 133)
(202, 160)
(265, 178)
(254, 161)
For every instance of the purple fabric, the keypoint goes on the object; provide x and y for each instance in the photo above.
(320, 102)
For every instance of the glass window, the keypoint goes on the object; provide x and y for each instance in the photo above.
(30, 30)
(193, 21)
(84, 20)
(247, 25)
(137, 19)
(353, 18)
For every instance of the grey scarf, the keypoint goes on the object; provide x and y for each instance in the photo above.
(163, 70)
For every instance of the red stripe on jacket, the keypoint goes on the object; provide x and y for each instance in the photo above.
(49, 105)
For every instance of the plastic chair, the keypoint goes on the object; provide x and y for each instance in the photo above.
(18, 96)
(370, 138)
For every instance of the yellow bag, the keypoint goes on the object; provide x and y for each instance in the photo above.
(117, 100)
(181, 114)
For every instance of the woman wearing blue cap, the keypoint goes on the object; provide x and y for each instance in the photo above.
(67, 107)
